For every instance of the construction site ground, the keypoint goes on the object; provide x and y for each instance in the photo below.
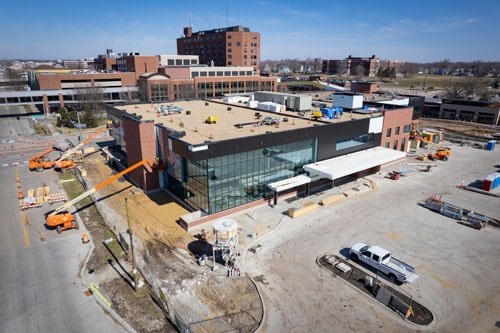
(202, 299)
(460, 127)
(458, 265)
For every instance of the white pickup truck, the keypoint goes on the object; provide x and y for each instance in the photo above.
(381, 260)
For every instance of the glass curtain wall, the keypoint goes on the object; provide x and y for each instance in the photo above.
(229, 181)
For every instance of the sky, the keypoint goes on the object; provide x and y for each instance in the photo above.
(416, 30)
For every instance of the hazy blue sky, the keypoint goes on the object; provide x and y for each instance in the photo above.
(404, 30)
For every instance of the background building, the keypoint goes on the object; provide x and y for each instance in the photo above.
(352, 66)
(475, 111)
(231, 46)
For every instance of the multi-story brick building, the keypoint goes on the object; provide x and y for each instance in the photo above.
(352, 66)
(396, 128)
(231, 46)
(139, 64)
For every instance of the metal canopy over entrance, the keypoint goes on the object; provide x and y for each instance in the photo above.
(289, 183)
(345, 165)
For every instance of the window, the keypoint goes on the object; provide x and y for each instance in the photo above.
(249, 72)
(385, 257)
(195, 74)
(356, 141)
(178, 62)
(170, 62)
(211, 73)
(395, 145)
(229, 36)
(229, 44)
(238, 43)
(242, 73)
(193, 61)
(229, 50)
(227, 73)
(388, 134)
(185, 61)
(203, 73)
(229, 56)
(403, 143)
(234, 73)
(376, 257)
(396, 132)
(219, 73)
(406, 128)
(387, 144)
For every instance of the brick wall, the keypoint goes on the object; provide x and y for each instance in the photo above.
(394, 119)
(141, 145)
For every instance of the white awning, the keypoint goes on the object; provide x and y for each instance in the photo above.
(341, 166)
(289, 183)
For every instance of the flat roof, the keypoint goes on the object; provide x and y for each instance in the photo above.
(341, 166)
(197, 131)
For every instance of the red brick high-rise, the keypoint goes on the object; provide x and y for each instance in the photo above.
(231, 46)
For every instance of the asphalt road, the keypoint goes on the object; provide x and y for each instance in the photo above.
(40, 287)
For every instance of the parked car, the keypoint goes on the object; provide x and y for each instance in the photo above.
(382, 260)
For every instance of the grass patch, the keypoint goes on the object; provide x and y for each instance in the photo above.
(94, 223)
(431, 81)
(42, 129)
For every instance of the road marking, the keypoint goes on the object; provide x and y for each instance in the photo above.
(25, 230)
(5, 164)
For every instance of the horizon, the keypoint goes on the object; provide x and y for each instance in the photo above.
(436, 31)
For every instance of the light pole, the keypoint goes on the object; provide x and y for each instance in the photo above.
(79, 126)
(131, 253)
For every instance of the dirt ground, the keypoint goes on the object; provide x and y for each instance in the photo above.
(202, 298)
(459, 127)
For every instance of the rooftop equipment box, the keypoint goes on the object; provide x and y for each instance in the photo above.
(348, 101)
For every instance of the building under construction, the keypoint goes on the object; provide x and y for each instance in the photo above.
(218, 158)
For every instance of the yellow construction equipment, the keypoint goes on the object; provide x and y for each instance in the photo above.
(211, 120)
(63, 220)
(441, 153)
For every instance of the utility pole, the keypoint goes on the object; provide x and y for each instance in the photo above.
(131, 252)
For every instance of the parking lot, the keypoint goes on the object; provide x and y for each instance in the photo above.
(458, 266)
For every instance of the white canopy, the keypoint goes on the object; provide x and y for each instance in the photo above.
(341, 166)
(289, 183)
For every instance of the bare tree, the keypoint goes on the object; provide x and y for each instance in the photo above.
(15, 81)
(91, 99)
(359, 70)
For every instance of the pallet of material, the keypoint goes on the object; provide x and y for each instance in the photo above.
(331, 199)
(57, 197)
(303, 209)
(42, 191)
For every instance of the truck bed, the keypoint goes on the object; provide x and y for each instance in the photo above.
(403, 268)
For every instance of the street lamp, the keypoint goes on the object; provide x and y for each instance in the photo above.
(79, 126)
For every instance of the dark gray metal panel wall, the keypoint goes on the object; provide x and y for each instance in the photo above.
(327, 136)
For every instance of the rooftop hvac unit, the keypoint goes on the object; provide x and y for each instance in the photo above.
(188, 112)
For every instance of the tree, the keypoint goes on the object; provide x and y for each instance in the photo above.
(14, 77)
(91, 99)
(359, 70)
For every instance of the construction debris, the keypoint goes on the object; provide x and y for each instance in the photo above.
(462, 215)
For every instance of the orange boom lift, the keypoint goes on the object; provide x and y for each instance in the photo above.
(62, 220)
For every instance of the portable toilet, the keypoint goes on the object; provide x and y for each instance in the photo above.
(490, 145)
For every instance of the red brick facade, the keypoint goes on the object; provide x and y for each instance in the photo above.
(54, 81)
(141, 145)
(232, 46)
(396, 128)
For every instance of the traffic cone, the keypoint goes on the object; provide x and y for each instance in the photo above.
(42, 236)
